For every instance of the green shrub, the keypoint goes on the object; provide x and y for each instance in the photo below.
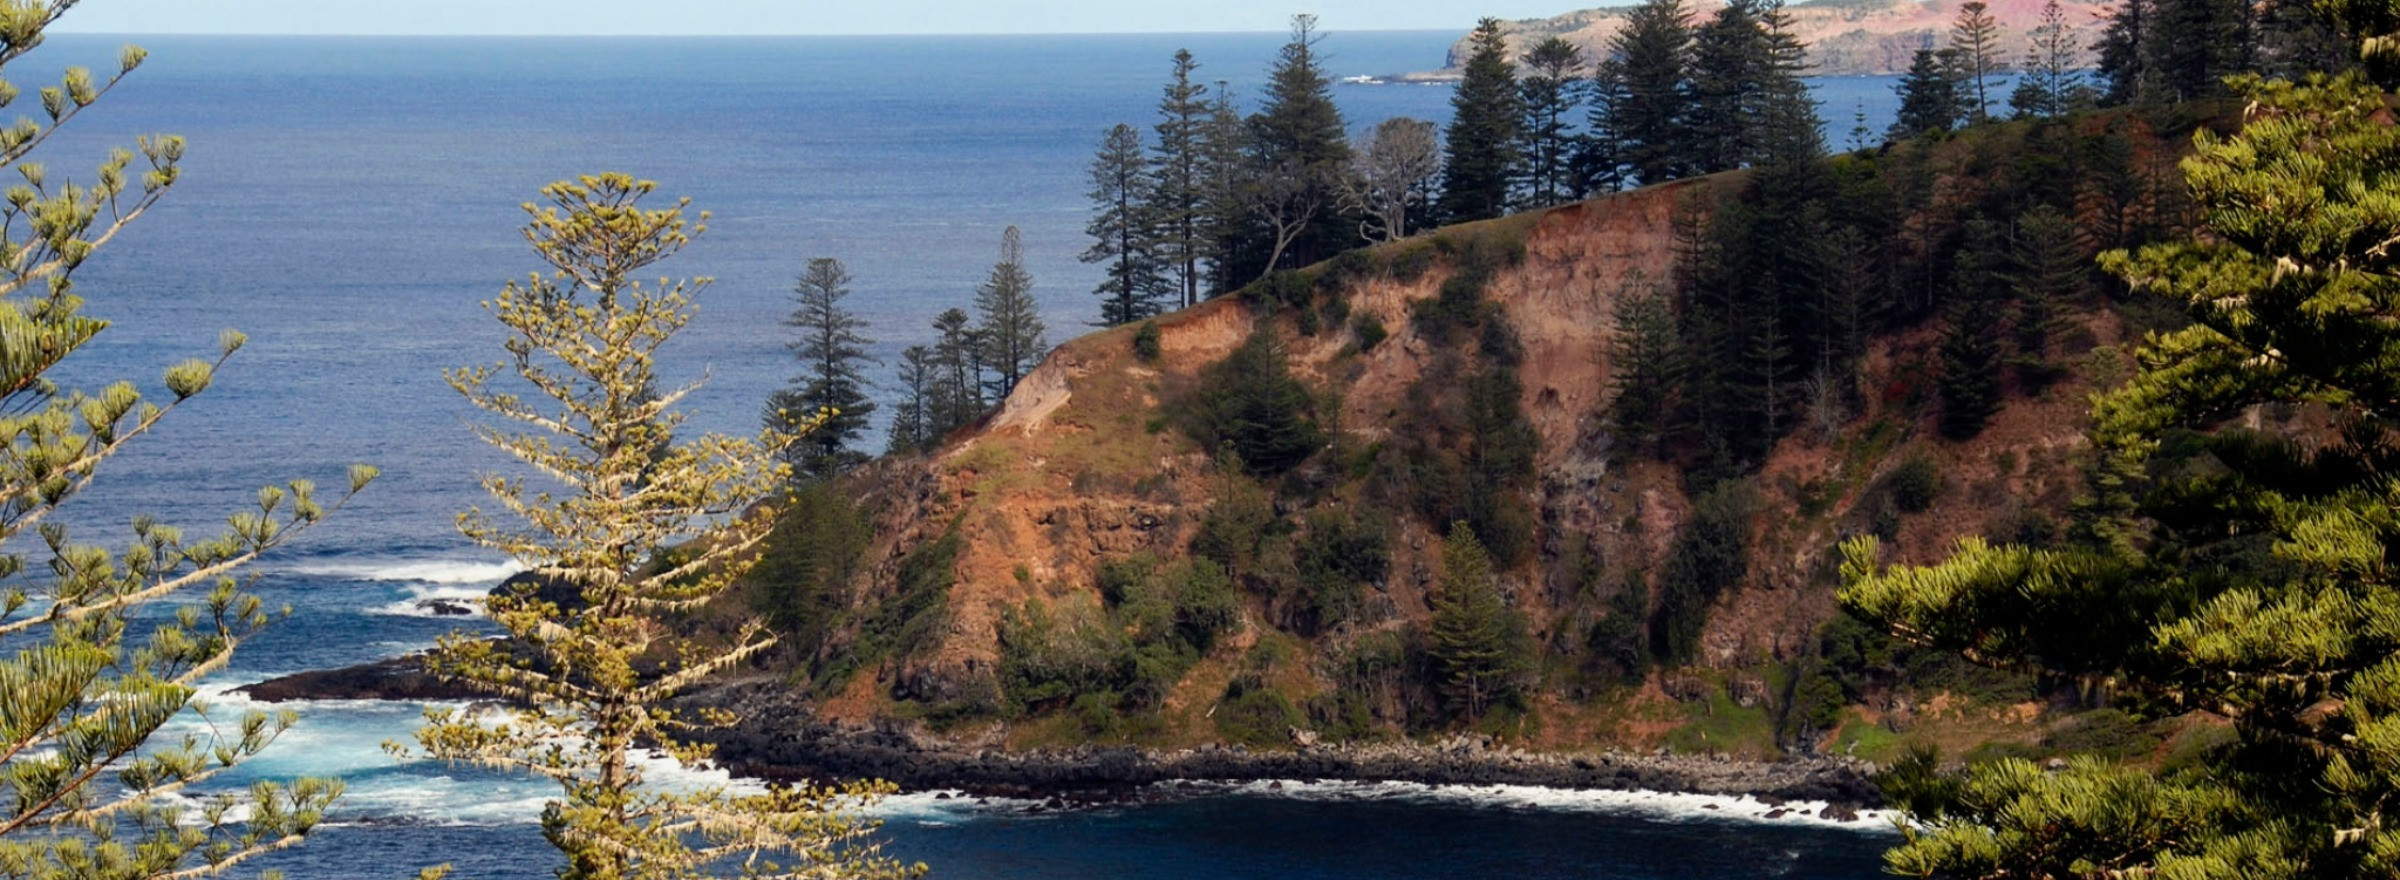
(1116, 579)
(1343, 716)
(2033, 528)
(1490, 246)
(1370, 672)
(801, 582)
(1470, 459)
(1254, 715)
(1334, 309)
(975, 698)
(1457, 305)
(1337, 557)
(1250, 404)
(1345, 271)
(1411, 262)
(1813, 705)
(1171, 615)
(1289, 287)
(908, 622)
(1914, 483)
(1206, 603)
(1619, 639)
(1883, 515)
(1711, 555)
(1236, 528)
(1369, 330)
(1146, 342)
(1096, 714)
(1049, 657)
(2197, 745)
(1257, 718)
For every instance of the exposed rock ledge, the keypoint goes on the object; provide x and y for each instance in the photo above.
(400, 678)
(776, 738)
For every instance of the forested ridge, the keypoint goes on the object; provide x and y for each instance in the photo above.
(1596, 473)
(1754, 364)
(2034, 452)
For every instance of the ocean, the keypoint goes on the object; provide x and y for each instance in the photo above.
(349, 202)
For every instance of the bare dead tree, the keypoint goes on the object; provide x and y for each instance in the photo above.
(1286, 197)
(1397, 161)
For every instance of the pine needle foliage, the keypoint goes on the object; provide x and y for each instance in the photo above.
(1975, 42)
(2234, 570)
(1298, 146)
(1481, 144)
(1011, 332)
(645, 529)
(1477, 643)
(830, 393)
(90, 675)
(1547, 96)
(1178, 200)
(1136, 284)
(1653, 53)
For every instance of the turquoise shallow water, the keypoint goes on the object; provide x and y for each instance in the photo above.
(348, 204)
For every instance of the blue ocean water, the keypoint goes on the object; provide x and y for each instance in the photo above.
(350, 201)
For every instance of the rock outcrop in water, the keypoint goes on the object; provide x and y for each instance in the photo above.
(400, 678)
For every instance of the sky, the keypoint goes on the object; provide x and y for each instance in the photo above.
(775, 17)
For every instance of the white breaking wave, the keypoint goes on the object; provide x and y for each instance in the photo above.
(419, 571)
(1657, 805)
(342, 738)
(942, 807)
(436, 601)
(433, 588)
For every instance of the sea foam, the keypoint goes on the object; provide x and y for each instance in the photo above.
(420, 571)
(1654, 805)
(427, 600)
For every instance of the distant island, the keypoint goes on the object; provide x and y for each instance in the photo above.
(1844, 37)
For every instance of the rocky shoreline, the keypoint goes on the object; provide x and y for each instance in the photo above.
(1110, 773)
(777, 738)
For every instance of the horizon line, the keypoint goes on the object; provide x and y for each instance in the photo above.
(638, 36)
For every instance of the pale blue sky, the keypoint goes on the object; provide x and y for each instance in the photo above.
(684, 17)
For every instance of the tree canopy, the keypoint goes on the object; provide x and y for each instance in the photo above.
(2229, 566)
(1480, 155)
(645, 527)
(830, 393)
(94, 668)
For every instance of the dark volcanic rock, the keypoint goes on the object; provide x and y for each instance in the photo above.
(555, 591)
(400, 678)
(778, 738)
(448, 607)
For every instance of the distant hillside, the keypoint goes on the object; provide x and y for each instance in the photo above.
(1038, 580)
(1844, 36)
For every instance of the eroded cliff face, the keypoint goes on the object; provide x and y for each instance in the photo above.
(1076, 468)
(1082, 466)
(1844, 37)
